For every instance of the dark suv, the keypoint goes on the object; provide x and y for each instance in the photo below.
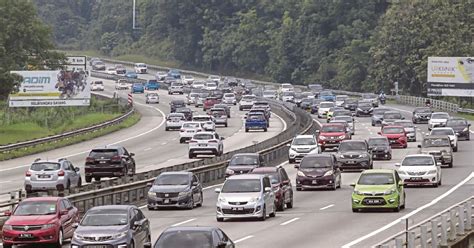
(242, 163)
(176, 104)
(460, 127)
(380, 148)
(110, 161)
(350, 104)
(421, 115)
(281, 185)
(354, 154)
(318, 171)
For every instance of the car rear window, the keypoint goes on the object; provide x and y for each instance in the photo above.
(106, 153)
(243, 160)
(392, 116)
(378, 142)
(442, 132)
(440, 116)
(185, 238)
(326, 105)
(393, 130)
(456, 123)
(436, 142)
(380, 111)
(256, 117)
(203, 136)
(45, 166)
(201, 118)
(191, 125)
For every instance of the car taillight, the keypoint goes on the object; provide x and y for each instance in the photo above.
(212, 141)
(89, 159)
(182, 130)
(116, 158)
(198, 130)
(193, 141)
(61, 173)
(28, 173)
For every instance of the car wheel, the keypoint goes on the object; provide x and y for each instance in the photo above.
(181, 141)
(219, 219)
(322, 149)
(225, 125)
(150, 208)
(7, 246)
(455, 149)
(167, 129)
(355, 210)
(439, 183)
(191, 204)
(290, 204)
(88, 179)
(389, 157)
(68, 184)
(264, 214)
(291, 161)
(273, 214)
(97, 179)
(265, 129)
(299, 189)
(191, 155)
(450, 165)
(397, 209)
(334, 186)
(201, 200)
(246, 130)
(60, 242)
(373, 124)
(340, 182)
(79, 182)
(281, 205)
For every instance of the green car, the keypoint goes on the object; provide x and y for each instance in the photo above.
(378, 189)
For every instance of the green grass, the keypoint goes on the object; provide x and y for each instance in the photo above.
(130, 121)
(466, 116)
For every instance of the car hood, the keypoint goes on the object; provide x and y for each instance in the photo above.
(315, 172)
(30, 220)
(239, 197)
(458, 128)
(332, 134)
(168, 188)
(352, 153)
(392, 136)
(100, 230)
(417, 168)
(303, 147)
(374, 188)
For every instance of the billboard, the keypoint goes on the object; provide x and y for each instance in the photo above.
(451, 76)
(51, 88)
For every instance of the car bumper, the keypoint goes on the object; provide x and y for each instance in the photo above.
(363, 113)
(329, 143)
(118, 243)
(153, 101)
(12, 237)
(105, 171)
(315, 182)
(383, 201)
(299, 155)
(205, 150)
(419, 180)
(380, 155)
(45, 185)
(220, 122)
(353, 163)
(398, 143)
(175, 202)
(239, 211)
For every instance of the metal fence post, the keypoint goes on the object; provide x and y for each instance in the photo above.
(434, 234)
(461, 220)
(411, 240)
(444, 230)
(452, 225)
(424, 236)
(468, 215)
(399, 243)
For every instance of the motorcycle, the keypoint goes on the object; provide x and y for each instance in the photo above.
(382, 100)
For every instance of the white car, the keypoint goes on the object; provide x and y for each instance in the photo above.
(286, 88)
(198, 85)
(229, 98)
(270, 94)
(97, 86)
(324, 108)
(420, 169)
(214, 78)
(206, 143)
(288, 96)
(176, 88)
(140, 68)
(246, 102)
(438, 119)
(187, 79)
(161, 75)
(152, 98)
(207, 121)
(340, 99)
(188, 129)
(121, 84)
(191, 98)
(453, 138)
(211, 86)
(301, 146)
(175, 121)
(111, 70)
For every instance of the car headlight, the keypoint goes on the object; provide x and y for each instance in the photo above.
(229, 171)
(342, 137)
(301, 174)
(322, 137)
(402, 172)
(432, 172)
(150, 193)
(363, 155)
(7, 227)
(328, 173)
(389, 192)
(254, 199)
(119, 235)
(77, 236)
(47, 226)
(184, 193)
(359, 109)
(222, 199)
(341, 156)
(358, 192)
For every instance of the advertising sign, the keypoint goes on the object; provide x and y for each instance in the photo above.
(51, 88)
(451, 76)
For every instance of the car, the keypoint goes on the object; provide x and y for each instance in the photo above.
(409, 127)
(309, 95)
(245, 196)
(281, 185)
(206, 143)
(121, 84)
(350, 104)
(192, 98)
(198, 85)
(262, 104)
(152, 98)
(327, 95)
(389, 117)
(287, 96)
(39, 221)
(220, 116)
(438, 119)
(98, 66)
(439, 147)
(449, 132)
(188, 113)
(348, 119)
(160, 75)
(421, 115)
(219, 94)
(193, 236)
(229, 98)
(315, 106)
(140, 68)
(419, 169)
(58, 174)
(246, 102)
(257, 110)
(210, 85)
(372, 98)
(207, 121)
(318, 171)
(97, 86)
(315, 88)
(137, 88)
(232, 81)
(338, 111)
(176, 88)
(111, 71)
(120, 69)
(174, 121)
(377, 116)
(256, 121)
(131, 74)
(188, 79)
(109, 161)
(354, 154)
(306, 103)
(242, 163)
(364, 109)
(340, 100)
(176, 104)
(188, 129)
(200, 99)
(330, 135)
(180, 189)
(348, 130)
(174, 73)
(214, 78)
(324, 108)
(209, 102)
(460, 126)
(270, 94)
(380, 148)
(93, 60)
(225, 107)
(286, 88)
(112, 226)
(378, 189)
(152, 84)
(396, 136)
(301, 146)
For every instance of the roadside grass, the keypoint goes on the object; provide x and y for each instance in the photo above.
(469, 117)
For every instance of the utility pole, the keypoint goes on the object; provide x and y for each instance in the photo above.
(133, 14)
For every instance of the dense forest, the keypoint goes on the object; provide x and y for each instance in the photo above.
(346, 44)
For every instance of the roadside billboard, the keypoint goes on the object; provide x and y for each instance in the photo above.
(451, 76)
(51, 88)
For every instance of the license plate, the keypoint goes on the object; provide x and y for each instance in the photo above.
(415, 178)
(102, 162)
(166, 201)
(43, 176)
(26, 235)
(202, 144)
(351, 162)
(393, 141)
(373, 201)
(237, 209)
(97, 246)
(314, 182)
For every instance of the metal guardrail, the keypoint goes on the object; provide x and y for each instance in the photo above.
(421, 101)
(438, 230)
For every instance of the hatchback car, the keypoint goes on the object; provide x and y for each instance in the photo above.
(324, 108)
(207, 143)
(420, 169)
(40, 220)
(209, 102)
(377, 115)
(121, 84)
(191, 98)
(137, 88)
(175, 104)
(112, 226)
(350, 104)
(453, 138)
(57, 174)
(109, 161)
(301, 146)
(439, 147)
(97, 86)
(246, 196)
(421, 115)
(229, 98)
(242, 163)
(281, 185)
(438, 119)
(192, 236)
(188, 129)
(396, 136)
(175, 189)
(354, 154)
(318, 171)
(152, 98)
(410, 129)
(174, 121)
(380, 148)
(378, 189)
(220, 116)
(460, 126)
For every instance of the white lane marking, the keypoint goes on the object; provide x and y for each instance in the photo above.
(242, 239)
(5, 182)
(288, 222)
(397, 221)
(328, 206)
(281, 119)
(147, 149)
(164, 143)
(184, 222)
(406, 111)
(213, 186)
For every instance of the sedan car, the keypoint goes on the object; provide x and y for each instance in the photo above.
(318, 171)
(364, 109)
(57, 174)
(220, 116)
(175, 104)
(420, 169)
(121, 84)
(138, 88)
(175, 189)
(378, 189)
(301, 146)
(421, 115)
(152, 98)
(245, 196)
(380, 148)
(281, 185)
(97, 86)
(229, 98)
(246, 102)
(112, 226)
(439, 147)
(460, 126)
(187, 112)
(449, 132)
(192, 236)
(206, 143)
(396, 136)
(225, 107)
(242, 163)
(174, 121)
(354, 154)
(40, 220)
(438, 119)
(131, 74)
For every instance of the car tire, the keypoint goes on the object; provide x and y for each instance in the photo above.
(291, 161)
(373, 124)
(60, 241)
(455, 149)
(79, 182)
(167, 129)
(355, 210)
(265, 129)
(191, 155)
(225, 125)
(97, 179)
(246, 130)
(68, 185)
(273, 214)
(290, 204)
(191, 205)
(201, 200)
(389, 157)
(219, 219)
(181, 141)
(88, 179)
(334, 186)
(264, 214)
(281, 206)
(450, 165)
(439, 183)
(299, 189)
(340, 182)
(150, 208)
(322, 149)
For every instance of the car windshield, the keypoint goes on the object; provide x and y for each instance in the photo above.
(152, 94)
(35, 208)
(380, 111)
(172, 179)
(436, 142)
(326, 105)
(392, 116)
(241, 186)
(218, 113)
(176, 116)
(378, 142)
(376, 179)
(177, 103)
(456, 123)
(304, 142)
(203, 136)
(138, 85)
(45, 166)
(185, 239)
(316, 162)
(440, 116)
(98, 82)
(333, 129)
(256, 117)
(105, 217)
(175, 84)
(106, 153)
(352, 146)
(418, 161)
(392, 130)
(243, 160)
(191, 125)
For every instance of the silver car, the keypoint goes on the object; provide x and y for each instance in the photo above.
(246, 196)
(52, 174)
(152, 98)
(349, 120)
(220, 116)
(175, 121)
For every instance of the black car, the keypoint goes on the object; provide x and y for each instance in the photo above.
(364, 109)
(175, 189)
(188, 113)
(380, 148)
(421, 115)
(281, 185)
(192, 236)
(315, 105)
(318, 171)
(354, 154)
(242, 163)
(217, 94)
(460, 127)
(175, 104)
(109, 161)
(306, 103)
(350, 104)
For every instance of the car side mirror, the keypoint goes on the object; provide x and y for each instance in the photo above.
(195, 183)
(150, 184)
(222, 138)
(352, 184)
(297, 166)
(419, 146)
(7, 213)
(217, 190)
(267, 189)
(397, 164)
(132, 154)
(77, 169)
(75, 225)
(288, 145)
(221, 244)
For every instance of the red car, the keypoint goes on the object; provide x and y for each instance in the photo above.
(331, 134)
(396, 136)
(281, 185)
(210, 102)
(40, 220)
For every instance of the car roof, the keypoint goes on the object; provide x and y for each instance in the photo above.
(436, 137)
(442, 128)
(302, 136)
(177, 173)
(246, 154)
(190, 228)
(379, 137)
(265, 169)
(440, 113)
(119, 207)
(246, 176)
(205, 132)
(370, 171)
(201, 116)
(42, 198)
(312, 155)
(108, 147)
(418, 155)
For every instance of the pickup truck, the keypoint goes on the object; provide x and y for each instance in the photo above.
(152, 85)
(256, 121)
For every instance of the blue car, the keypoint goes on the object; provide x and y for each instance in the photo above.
(152, 85)
(138, 88)
(256, 121)
(327, 96)
(131, 74)
(174, 73)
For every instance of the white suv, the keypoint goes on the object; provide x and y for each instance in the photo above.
(188, 129)
(206, 143)
(438, 119)
(324, 108)
(246, 102)
(207, 122)
(301, 146)
(121, 84)
(453, 138)
(174, 121)
(97, 85)
(176, 88)
(140, 68)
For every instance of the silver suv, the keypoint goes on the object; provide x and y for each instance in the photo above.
(176, 88)
(208, 143)
(52, 174)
